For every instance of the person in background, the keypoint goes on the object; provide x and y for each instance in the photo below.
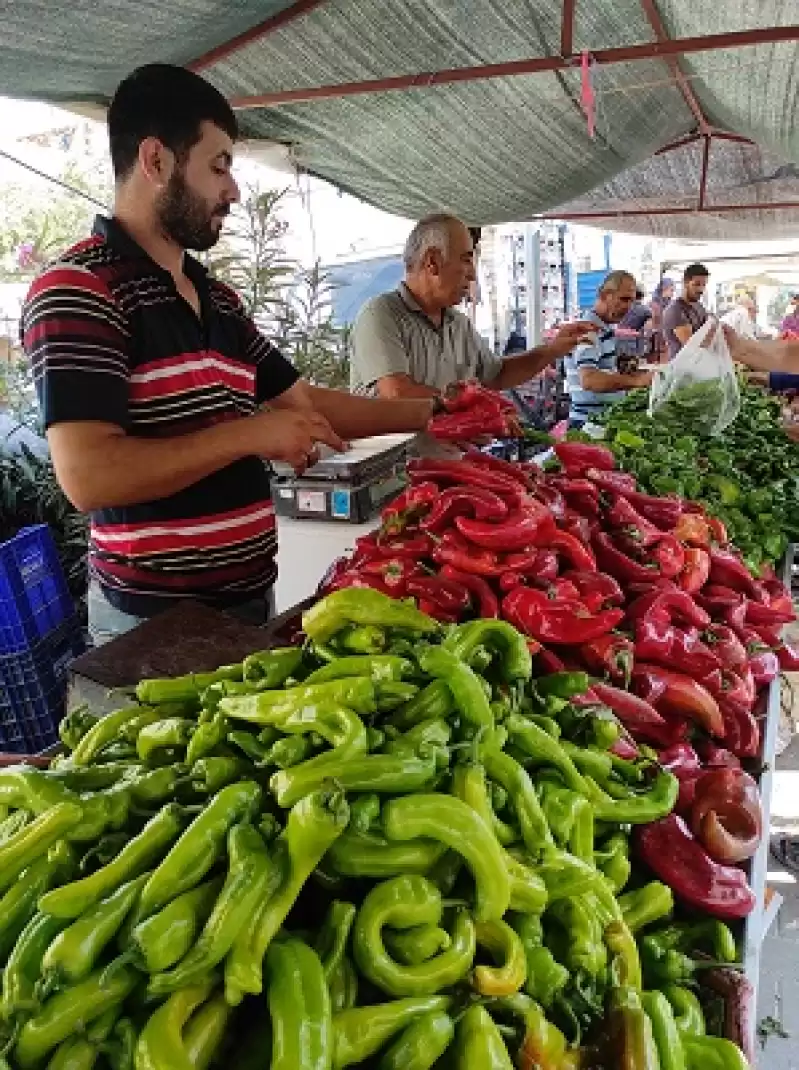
(686, 313)
(639, 314)
(661, 297)
(596, 376)
(413, 343)
(742, 317)
(790, 323)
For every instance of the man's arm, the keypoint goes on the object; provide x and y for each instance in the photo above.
(763, 356)
(402, 386)
(353, 416)
(99, 466)
(518, 370)
(601, 382)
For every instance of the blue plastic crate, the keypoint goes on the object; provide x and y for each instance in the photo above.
(34, 597)
(33, 689)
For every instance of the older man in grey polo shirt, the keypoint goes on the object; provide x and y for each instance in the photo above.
(412, 343)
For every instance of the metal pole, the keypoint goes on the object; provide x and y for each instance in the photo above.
(532, 275)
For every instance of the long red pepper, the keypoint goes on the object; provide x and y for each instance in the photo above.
(460, 472)
(619, 565)
(665, 512)
(531, 527)
(724, 642)
(487, 601)
(680, 696)
(729, 570)
(610, 655)
(615, 482)
(672, 853)
(637, 716)
(577, 555)
(496, 464)
(633, 528)
(696, 570)
(671, 603)
(449, 596)
(558, 622)
(577, 457)
(409, 506)
(596, 583)
(463, 501)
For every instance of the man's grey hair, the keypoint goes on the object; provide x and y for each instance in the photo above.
(432, 232)
(612, 282)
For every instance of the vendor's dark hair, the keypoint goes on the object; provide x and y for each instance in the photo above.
(166, 102)
(695, 271)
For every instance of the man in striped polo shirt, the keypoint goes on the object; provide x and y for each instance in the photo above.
(152, 377)
(596, 376)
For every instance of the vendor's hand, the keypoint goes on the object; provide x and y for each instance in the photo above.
(792, 430)
(571, 335)
(292, 435)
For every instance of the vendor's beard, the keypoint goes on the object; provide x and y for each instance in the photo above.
(184, 217)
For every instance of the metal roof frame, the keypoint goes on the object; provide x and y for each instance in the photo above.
(662, 47)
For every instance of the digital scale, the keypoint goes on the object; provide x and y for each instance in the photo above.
(351, 486)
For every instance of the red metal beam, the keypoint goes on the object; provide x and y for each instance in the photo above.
(677, 73)
(255, 33)
(680, 143)
(608, 56)
(632, 213)
(704, 174)
(567, 28)
(725, 135)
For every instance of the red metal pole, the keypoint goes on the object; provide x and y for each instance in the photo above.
(703, 176)
(513, 68)
(725, 135)
(632, 213)
(659, 30)
(678, 144)
(255, 33)
(567, 28)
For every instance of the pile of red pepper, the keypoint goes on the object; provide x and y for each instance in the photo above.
(473, 412)
(644, 593)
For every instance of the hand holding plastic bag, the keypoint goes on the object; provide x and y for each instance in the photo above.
(698, 390)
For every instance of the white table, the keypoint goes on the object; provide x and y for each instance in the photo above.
(306, 549)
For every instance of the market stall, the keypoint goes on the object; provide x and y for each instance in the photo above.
(506, 801)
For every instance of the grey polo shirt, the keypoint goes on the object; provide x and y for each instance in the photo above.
(393, 336)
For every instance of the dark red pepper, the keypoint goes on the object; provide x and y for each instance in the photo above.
(788, 655)
(576, 553)
(578, 457)
(411, 544)
(683, 651)
(581, 495)
(461, 472)
(765, 667)
(769, 635)
(543, 570)
(736, 691)
(741, 731)
(558, 622)
(672, 853)
(724, 642)
(727, 569)
(359, 579)
(449, 596)
(635, 529)
(532, 527)
(615, 482)
(333, 574)
(726, 816)
(637, 715)
(610, 656)
(715, 757)
(682, 760)
(680, 696)
(758, 614)
(525, 476)
(463, 501)
(665, 512)
(394, 572)
(579, 526)
(716, 598)
(487, 601)
(405, 510)
(669, 602)
(668, 554)
(431, 609)
(696, 570)
(598, 583)
(456, 551)
(552, 499)
(547, 662)
(610, 559)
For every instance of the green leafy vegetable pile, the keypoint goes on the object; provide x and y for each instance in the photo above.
(749, 477)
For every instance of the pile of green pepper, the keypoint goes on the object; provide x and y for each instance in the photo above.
(748, 476)
(320, 859)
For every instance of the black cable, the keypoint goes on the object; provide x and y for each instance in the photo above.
(56, 181)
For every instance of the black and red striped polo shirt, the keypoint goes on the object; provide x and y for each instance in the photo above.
(111, 339)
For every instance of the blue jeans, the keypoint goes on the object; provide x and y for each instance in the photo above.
(106, 622)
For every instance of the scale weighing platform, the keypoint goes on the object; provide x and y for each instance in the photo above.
(351, 486)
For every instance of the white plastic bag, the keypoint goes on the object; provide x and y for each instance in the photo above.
(698, 390)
